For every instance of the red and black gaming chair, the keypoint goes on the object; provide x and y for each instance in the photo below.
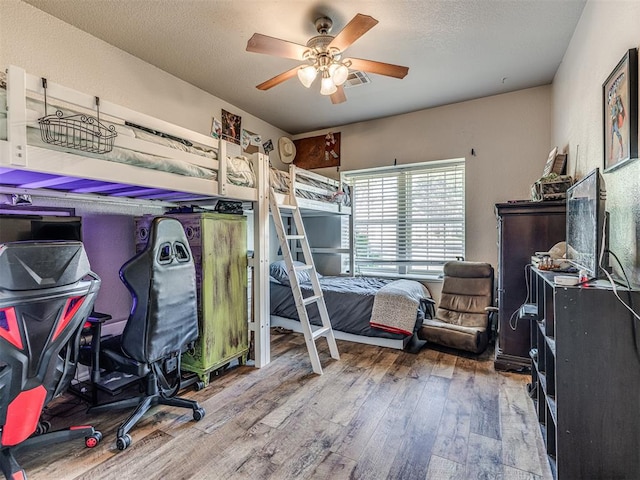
(47, 291)
(163, 323)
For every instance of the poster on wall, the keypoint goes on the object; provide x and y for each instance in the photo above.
(216, 128)
(620, 111)
(318, 152)
(231, 127)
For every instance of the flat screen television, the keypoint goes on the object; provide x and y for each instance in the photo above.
(14, 228)
(586, 222)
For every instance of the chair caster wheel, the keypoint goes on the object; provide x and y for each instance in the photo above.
(123, 442)
(93, 440)
(42, 428)
(199, 386)
(198, 414)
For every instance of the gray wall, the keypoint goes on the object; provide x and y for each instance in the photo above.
(604, 33)
(509, 133)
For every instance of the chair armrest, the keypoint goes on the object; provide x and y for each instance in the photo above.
(430, 305)
(493, 324)
(94, 322)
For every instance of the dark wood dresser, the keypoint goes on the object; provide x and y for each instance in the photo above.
(523, 229)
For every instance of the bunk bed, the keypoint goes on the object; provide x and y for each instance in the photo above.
(315, 194)
(350, 300)
(53, 137)
(84, 148)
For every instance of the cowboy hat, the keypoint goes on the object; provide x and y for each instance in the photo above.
(287, 149)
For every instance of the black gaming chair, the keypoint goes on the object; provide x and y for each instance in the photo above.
(163, 323)
(47, 292)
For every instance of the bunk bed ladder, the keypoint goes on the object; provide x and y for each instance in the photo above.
(310, 333)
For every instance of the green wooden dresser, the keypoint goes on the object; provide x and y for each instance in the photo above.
(218, 243)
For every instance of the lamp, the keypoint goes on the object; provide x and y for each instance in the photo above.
(339, 73)
(325, 60)
(307, 75)
(332, 71)
(327, 86)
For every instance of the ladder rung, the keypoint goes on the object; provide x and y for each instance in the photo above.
(320, 332)
(286, 206)
(302, 267)
(295, 237)
(313, 298)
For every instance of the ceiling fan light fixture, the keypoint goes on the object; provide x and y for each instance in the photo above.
(323, 56)
(327, 86)
(339, 73)
(307, 75)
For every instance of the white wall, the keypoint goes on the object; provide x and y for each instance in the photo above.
(509, 133)
(606, 30)
(46, 46)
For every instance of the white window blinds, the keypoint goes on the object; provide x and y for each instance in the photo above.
(408, 220)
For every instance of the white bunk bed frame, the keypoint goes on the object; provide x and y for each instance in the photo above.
(296, 326)
(57, 168)
(310, 207)
(315, 208)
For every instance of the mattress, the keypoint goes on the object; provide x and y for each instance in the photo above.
(349, 303)
(279, 180)
(239, 169)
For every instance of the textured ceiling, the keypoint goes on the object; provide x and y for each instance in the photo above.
(456, 50)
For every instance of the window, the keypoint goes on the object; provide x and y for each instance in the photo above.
(408, 220)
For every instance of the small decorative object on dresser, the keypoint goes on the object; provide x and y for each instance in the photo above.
(553, 184)
(556, 163)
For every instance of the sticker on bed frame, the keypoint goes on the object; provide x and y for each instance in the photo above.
(250, 141)
(216, 128)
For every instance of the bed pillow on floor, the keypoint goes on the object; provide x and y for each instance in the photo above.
(278, 270)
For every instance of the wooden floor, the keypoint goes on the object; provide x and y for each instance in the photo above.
(375, 414)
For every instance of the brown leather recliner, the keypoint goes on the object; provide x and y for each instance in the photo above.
(462, 318)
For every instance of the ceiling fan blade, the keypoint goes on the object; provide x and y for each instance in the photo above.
(278, 79)
(358, 26)
(380, 68)
(338, 96)
(259, 43)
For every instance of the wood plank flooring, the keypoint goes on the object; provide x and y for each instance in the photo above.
(375, 414)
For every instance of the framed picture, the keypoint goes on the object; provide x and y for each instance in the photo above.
(620, 112)
(556, 163)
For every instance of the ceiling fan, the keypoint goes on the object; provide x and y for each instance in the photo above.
(323, 57)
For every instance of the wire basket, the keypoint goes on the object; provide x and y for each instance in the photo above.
(78, 132)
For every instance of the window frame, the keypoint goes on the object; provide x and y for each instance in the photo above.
(453, 174)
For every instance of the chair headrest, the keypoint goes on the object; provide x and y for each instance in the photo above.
(42, 264)
(168, 231)
(463, 269)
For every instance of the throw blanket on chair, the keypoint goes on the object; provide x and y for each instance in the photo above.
(395, 306)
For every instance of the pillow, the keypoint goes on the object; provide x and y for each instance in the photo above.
(124, 130)
(278, 270)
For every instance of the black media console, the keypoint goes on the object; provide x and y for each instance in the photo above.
(585, 378)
